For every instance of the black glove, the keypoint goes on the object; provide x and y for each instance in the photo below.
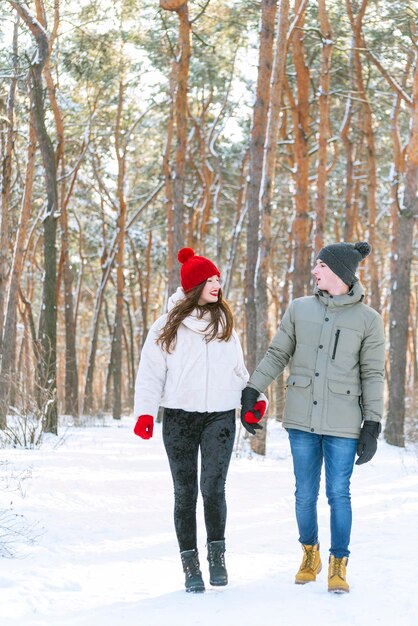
(367, 443)
(249, 398)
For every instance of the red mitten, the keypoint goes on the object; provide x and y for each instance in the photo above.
(250, 418)
(260, 406)
(144, 426)
(254, 416)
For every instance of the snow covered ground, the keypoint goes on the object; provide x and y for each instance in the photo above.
(107, 554)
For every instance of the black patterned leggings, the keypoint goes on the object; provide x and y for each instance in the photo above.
(183, 434)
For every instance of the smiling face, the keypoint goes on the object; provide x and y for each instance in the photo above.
(210, 291)
(327, 280)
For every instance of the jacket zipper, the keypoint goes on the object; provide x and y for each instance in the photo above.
(207, 376)
(337, 336)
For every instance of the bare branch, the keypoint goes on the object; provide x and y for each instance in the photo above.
(392, 82)
(143, 206)
(36, 28)
(199, 15)
(296, 21)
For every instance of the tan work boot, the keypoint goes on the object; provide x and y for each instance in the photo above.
(336, 575)
(311, 565)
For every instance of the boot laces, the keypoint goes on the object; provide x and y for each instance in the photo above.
(337, 568)
(191, 566)
(308, 559)
(217, 556)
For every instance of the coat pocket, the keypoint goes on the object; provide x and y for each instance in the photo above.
(337, 336)
(345, 348)
(344, 410)
(298, 398)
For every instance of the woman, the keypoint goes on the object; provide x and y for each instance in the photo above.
(192, 365)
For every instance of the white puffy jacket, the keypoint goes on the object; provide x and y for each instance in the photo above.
(197, 375)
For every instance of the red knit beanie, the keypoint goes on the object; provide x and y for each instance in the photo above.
(195, 269)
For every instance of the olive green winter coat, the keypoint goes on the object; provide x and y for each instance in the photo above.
(336, 348)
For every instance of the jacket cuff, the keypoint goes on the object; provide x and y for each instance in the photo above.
(262, 397)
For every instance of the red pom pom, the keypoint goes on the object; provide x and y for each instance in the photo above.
(185, 254)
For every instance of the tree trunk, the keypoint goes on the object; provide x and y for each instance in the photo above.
(120, 251)
(348, 228)
(323, 129)
(181, 7)
(71, 369)
(184, 45)
(239, 220)
(109, 389)
(401, 285)
(144, 283)
(6, 187)
(255, 173)
(302, 223)
(130, 357)
(91, 362)
(255, 168)
(207, 177)
(172, 279)
(49, 312)
(267, 182)
(71, 375)
(15, 274)
(356, 25)
(6, 349)
(263, 333)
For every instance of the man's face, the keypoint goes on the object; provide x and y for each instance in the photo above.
(327, 280)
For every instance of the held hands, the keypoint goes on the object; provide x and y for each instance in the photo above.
(367, 443)
(144, 426)
(252, 410)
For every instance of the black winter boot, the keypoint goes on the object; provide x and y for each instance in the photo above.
(191, 567)
(216, 558)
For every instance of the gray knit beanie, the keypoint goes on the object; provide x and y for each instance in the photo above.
(343, 258)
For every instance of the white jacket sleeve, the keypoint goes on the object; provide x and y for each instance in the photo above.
(240, 369)
(151, 375)
(243, 372)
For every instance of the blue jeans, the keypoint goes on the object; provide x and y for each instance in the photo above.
(308, 452)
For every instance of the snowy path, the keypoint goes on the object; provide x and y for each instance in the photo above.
(108, 556)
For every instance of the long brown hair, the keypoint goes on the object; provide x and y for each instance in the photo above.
(221, 322)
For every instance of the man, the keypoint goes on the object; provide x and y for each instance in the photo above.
(334, 400)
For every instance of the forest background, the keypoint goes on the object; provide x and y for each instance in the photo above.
(253, 131)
